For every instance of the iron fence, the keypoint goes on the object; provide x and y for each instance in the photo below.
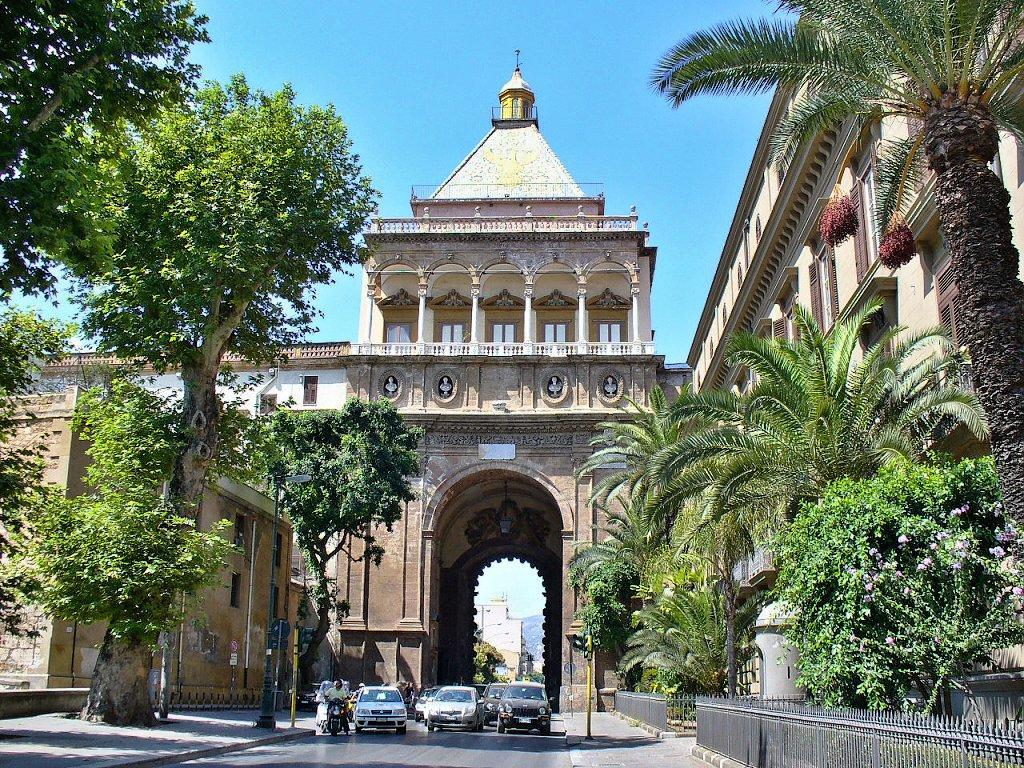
(194, 697)
(682, 709)
(650, 708)
(775, 734)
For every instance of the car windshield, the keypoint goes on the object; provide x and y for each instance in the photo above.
(524, 692)
(454, 695)
(495, 691)
(381, 694)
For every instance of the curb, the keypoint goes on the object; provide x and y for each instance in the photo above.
(714, 759)
(198, 754)
(658, 734)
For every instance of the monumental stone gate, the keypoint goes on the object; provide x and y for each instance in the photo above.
(508, 317)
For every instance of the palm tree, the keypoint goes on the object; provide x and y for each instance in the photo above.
(683, 631)
(817, 412)
(951, 67)
(625, 448)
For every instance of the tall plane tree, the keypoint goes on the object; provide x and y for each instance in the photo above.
(228, 212)
(68, 68)
(360, 459)
(952, 69)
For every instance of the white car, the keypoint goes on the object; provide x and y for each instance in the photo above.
(455, 706)
(380, 706)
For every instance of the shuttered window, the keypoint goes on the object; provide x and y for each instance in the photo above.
(815, 285)
(779, 329)
(833, 281)
(948, 301)
(309, 387)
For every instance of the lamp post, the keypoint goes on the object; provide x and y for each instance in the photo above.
(266, 718)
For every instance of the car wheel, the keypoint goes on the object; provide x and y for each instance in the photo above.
(359, 729)
(400, 729)
(501, 728)
(546, 730)
(430, 726)
(479, 726)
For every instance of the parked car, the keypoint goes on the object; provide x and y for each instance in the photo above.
(422, 700)
(491, 701)
(455, 706)
(306, 697)
(524, 706)
(380, 706)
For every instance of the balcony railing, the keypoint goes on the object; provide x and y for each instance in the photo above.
(541, 190)
(753, 570)
(546, 349)
(581, 223)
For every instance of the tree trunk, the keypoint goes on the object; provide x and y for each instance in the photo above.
(323, 623)
(119, 693)
(200, 414)
(960, 140)
(729, 590)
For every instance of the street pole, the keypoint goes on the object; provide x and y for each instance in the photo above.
(266, 718)
(295, 672)
(590, 680)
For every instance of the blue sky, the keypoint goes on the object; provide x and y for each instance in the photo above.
(415, 83)
(518, 582)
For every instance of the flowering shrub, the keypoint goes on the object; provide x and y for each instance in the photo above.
(900, 584)
(897, 247)
(839, 220)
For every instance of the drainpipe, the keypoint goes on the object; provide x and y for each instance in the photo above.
(248, 607)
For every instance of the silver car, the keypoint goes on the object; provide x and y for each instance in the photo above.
(455, 706)
(380, 706)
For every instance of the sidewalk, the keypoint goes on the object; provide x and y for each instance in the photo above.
(57, 741)
(617, 743)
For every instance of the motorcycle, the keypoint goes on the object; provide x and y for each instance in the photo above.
(334, 715)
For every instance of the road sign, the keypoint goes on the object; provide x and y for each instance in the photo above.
(234, 646)
(569, 669)
(233, 660)
(279, 633)
(306, 636)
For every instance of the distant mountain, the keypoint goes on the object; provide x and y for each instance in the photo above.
(533, 634)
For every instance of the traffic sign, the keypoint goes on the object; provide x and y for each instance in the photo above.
(234, 646)
(306, 636)
(569, 669)
(233, 660)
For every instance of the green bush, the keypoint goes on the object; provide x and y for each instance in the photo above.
(900, 583)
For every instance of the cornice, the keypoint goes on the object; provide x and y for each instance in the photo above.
(638, 236)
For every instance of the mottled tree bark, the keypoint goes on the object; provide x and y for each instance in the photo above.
(960, 141)
(201, 415)
(119, 693)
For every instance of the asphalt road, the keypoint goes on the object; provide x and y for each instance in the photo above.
(416, 749)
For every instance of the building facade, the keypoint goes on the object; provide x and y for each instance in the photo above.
(495, 625)
(774, 259)
(217, 652)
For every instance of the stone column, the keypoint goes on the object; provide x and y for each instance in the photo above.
(581, 317)
(528, 319)
(474, 341)
(370, 295)
(421, 319)
(635, 290)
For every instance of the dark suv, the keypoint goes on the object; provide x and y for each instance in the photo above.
(492, 700)
(524, 706)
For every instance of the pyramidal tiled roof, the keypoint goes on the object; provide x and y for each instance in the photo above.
(510, 161)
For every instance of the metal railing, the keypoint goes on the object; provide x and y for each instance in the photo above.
(775, 734)
(196, 697)
(543, 190)
(501, 224)
(650, 708)
(749, 570)
(545, 349)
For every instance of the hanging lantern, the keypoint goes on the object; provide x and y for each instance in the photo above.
(507, 513)
(839, 220)
(898, 247)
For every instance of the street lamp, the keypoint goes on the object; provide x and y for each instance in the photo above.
(266, 718)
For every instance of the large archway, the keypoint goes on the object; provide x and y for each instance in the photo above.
(489, 516)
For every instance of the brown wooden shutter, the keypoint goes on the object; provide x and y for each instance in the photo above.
(830, 256)
(947, 296)
(860, 240)
(779, 329)
(812, 275)
(309, 387)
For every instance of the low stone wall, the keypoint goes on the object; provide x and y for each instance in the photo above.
(41, 701)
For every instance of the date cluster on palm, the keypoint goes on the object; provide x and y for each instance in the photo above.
(897, 247)
(839, 220)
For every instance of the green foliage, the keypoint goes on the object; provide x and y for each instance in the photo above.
(360, 459)
(900, 582)
(608, 591)
(819, 411)
(26, 341)
(226, 212)
(71, 70)
(486, 660)
(119, 553)
(682, 632)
